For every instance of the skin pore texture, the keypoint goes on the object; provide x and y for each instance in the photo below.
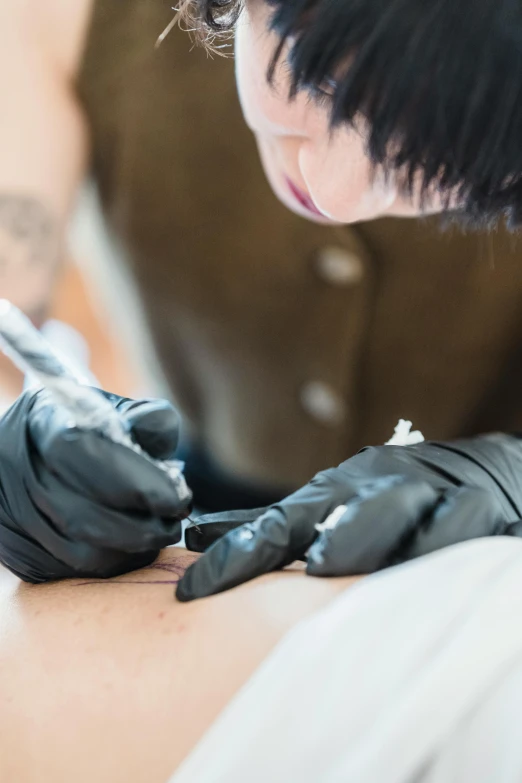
(115, 681)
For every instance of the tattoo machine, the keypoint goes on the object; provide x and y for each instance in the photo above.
(89, 409)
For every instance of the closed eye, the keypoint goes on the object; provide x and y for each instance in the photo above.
(328, 86)
(323, 93)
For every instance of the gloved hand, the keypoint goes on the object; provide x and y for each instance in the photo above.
(72, 503)
(401, 502)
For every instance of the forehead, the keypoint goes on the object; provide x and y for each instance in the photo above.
(258, 12)
(256, 45)
(253, 26)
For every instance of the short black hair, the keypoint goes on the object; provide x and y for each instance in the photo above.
(439, 83)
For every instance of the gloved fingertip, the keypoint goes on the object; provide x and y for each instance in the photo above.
(514, 529)
(205, 530)
(237, 557)
(318, 560)
(195, 583)
(183, 592)
(315, 565)
(155, 426)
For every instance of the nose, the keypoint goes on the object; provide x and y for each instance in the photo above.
(287, 152)
(337, 173)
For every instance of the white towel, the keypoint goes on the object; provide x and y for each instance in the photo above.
(414, 674)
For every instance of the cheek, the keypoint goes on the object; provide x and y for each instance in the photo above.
(339, 177)
(250, 69)
(265, 106)
(242, 66)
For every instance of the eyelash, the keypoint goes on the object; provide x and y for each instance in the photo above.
(323, 95)
(320, 97)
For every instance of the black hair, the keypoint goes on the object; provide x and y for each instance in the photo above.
(438, 82)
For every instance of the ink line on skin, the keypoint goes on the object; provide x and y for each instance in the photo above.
(129, 582)
(173, 568)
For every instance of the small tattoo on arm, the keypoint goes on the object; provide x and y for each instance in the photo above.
(28, 251)
(26, 222)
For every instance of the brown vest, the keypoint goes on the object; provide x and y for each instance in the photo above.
(287, 345)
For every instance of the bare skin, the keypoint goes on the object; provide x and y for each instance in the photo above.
(43, 143)
(116, 681)
(43, 152)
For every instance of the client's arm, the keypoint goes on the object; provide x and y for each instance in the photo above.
(115, 681)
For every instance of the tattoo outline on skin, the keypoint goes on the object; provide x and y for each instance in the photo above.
(178, 567)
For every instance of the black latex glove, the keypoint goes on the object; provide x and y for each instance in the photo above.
(402, 502)
(72, 503)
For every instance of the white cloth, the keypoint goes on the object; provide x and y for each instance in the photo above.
(412, 676)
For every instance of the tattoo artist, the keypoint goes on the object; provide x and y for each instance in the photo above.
(360, 111)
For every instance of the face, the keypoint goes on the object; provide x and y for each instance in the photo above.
(323, 176)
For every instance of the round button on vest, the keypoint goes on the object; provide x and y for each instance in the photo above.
(338, 266)
(323, 403)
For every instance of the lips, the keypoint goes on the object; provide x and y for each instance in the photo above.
(302, 197)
